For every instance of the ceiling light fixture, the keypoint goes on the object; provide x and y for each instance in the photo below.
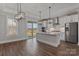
(20, 15)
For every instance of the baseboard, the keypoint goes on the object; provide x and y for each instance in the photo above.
(8, 41)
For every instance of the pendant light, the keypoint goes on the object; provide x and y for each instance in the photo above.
(40, 14)
(49, 15)
(49, 12)
(20, 15)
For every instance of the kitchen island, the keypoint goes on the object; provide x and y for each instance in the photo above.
(52, 38)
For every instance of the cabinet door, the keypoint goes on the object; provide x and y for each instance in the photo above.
(62, 21)
(75, 18)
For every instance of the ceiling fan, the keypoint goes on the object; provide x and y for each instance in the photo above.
(20, 15)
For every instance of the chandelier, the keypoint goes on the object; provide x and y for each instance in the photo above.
(20, 15)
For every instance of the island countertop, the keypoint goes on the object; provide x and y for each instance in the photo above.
(52, 38)
(51, 33)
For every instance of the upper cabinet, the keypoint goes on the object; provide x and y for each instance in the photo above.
(62, 21)
(67, 19)
(56, 21)
(75, 18)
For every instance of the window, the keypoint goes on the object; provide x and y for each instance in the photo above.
(11, 27)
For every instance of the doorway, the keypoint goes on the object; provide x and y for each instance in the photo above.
(32, 29)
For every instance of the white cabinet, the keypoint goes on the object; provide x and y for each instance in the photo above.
(62, 21)
(67, 19)
(50, 24)
(75, 18)
(39, 26)
(51, 39)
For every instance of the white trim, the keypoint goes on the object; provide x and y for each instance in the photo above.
(7, 41)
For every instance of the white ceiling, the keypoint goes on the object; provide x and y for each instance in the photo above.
(32, 9)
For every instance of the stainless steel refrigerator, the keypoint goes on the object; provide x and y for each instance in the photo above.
(71, 32)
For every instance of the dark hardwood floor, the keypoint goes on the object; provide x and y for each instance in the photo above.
(35, 48)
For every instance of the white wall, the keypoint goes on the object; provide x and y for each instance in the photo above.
(22, 29)
(21, 35)
(2, 27)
